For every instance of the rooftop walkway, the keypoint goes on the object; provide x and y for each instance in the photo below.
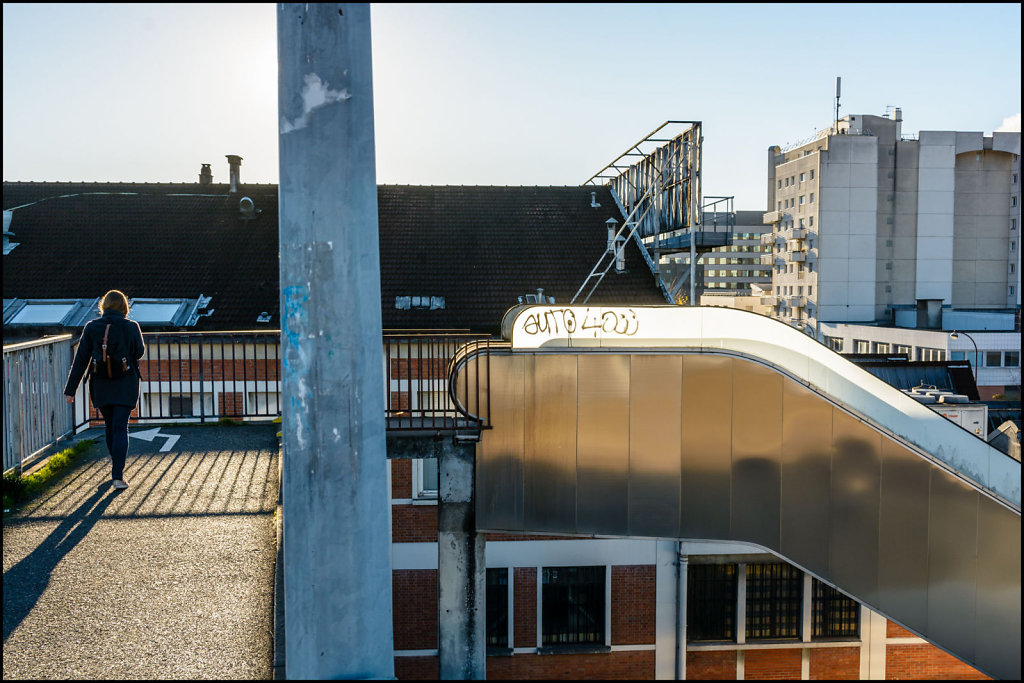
(170, 578)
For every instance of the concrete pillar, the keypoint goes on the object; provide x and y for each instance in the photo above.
(461, 568)
(337, 562)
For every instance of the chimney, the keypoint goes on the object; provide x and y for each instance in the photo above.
(234, 163)
(611, 223)
(899, 124)
(205, 175)
(620, 254)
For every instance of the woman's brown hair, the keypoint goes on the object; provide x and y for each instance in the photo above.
(114, 300)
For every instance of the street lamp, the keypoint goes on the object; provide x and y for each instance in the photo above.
(974, 366)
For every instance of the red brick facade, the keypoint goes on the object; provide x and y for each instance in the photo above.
(604, 665)
(414, 605)
(716, 665)
(925, 661)
(401, 478)
(634, 602)
(776, 665)
(231, 404)
(834, 663)
(525, 607)
(413, 523)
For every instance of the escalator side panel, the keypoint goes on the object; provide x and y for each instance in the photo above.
(856, 474)
(998, 585)
(756, 454)
(952, 562)
(903, 536)
(806, 477)
(706, 446)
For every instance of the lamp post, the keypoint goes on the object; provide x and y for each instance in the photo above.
(974, 366)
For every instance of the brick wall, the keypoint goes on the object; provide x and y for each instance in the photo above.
(230, 404)
(634, 602)
(414, 605)
(772, 664)
(173, 370)
(925, 661)
(401, 478)
(894, 630)
(525, 607)
(413, 523)
(604, 665)
(417, 668)
(711, 666)
(834, 663)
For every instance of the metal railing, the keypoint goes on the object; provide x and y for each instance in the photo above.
(207, 376)
(35, 414)
(417, 368)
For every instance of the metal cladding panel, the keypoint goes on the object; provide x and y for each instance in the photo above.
(952, 564)
(499, 472)
(856, 473)
(602, 450)
(549, 494)
(655, 414)
(756, 453)
(806, 477)
(903, 535)
(706, 468)
(998, 586)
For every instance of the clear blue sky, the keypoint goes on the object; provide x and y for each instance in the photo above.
(495, 94)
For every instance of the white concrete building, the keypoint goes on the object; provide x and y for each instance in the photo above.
(878, 229)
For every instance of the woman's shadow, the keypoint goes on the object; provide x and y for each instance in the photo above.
(25, 582)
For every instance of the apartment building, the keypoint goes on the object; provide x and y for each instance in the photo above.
(873, 228)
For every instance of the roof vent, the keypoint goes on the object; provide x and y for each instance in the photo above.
(234, 164)
(263, 317)
(247, 208)
(205, 175)
(593, 201)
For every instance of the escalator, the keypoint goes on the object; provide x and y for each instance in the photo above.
(717, 424)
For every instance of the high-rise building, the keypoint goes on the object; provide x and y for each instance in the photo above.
(871, 226)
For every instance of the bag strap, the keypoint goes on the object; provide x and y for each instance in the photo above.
(105, 333)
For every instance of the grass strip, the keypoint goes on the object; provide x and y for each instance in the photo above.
(18, 489)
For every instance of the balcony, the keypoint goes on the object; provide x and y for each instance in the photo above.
(773, 217)
(768, 238)
(770, 300)
(797, 301)
(798, 233)
(796, 256)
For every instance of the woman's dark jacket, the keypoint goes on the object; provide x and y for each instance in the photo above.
(103, 391)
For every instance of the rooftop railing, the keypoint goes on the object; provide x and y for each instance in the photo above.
(209, 376)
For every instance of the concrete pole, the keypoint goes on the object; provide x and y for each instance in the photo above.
(337, 551)
(461, 568)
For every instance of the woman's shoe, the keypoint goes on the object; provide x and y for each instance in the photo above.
(120, 484)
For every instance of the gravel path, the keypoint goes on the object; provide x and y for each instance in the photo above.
(170, 578)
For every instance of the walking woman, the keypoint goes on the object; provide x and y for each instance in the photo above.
(110, 349)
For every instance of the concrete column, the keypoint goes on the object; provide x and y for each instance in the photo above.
(337, 564)
(461, 568)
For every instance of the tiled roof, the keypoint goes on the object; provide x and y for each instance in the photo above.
(478, 247)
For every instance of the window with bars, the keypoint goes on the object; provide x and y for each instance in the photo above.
(711, 602)
(833, 615)
(572, 606)
(497, 608)
(774, 601)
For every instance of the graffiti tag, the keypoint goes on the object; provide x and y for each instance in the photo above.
(581, 322)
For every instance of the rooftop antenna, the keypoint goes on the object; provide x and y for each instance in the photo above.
(839, 82)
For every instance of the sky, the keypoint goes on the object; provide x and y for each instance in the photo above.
(484, 94)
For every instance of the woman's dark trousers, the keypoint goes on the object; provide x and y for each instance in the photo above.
(116, 420)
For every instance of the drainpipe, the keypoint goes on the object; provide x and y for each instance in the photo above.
(682, 564)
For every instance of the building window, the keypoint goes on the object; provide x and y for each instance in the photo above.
(834, 343)
(993, 359)
(833, 614)
(925, 353)
(905, 350)
(803, 177)
(1011, 359)
(861, 346)
(497, 608)
(812, 174)
(881, 348)
(787, 182)
(812, 198)
(424, 478)
(779, 207)
(780, 185)
(774, 601)
(572, 605)
(711, 602)
(801, 200)
(181, 406)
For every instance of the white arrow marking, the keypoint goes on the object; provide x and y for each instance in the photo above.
(149, 434)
